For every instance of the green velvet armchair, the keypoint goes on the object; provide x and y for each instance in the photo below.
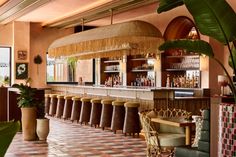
(203, 149)
(7, 132)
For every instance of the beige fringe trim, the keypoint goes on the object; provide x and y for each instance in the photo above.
(110, 47)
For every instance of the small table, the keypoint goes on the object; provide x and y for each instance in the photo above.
(178, 122)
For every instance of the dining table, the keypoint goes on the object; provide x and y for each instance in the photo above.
(178, 122)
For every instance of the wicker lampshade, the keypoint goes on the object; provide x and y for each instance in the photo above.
(128, 38)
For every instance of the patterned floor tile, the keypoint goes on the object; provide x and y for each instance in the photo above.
(68, 139)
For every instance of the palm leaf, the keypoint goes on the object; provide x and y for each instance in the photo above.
(198, 46)
(166, 5)
(214, 18)
(234, 58)
(7, 132)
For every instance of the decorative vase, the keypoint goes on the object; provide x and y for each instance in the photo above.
(28, 119)
(42, 129)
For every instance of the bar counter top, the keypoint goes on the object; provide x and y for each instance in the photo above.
(138, 88)
(133, 92)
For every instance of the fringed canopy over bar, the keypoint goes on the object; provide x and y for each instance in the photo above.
(129, 38)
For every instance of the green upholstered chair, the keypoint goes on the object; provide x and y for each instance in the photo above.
(7, 132)
(203, 149)
(159, 142)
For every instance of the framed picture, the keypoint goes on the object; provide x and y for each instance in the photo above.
(21, 55)
(21, 70)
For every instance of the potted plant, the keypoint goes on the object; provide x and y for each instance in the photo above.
(217, 20)
(42, 128)
(27, 102)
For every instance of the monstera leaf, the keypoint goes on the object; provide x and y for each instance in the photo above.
(166, 5)
(7, 132)
(198, 46)
(234, 58)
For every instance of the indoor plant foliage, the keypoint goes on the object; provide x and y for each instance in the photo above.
(38, 60)
(215, 19)
(71, 61)
(7, 133)
(27, 102)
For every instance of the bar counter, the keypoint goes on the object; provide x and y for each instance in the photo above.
(191, 99)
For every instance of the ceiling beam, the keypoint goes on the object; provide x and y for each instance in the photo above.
(17, 8)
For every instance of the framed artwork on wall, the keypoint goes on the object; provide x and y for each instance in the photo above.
(21, 70)
(21, 55)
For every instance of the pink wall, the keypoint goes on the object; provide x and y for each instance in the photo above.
(40, 39)
(21, 42)
(6, 35)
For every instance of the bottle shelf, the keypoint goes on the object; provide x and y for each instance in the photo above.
(182, 69)
(112, 61)
(142, 59)
(183, 56)
(142, 70)
(111, 71)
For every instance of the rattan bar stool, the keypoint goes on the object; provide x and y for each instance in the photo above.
(67, 107)
(76, 108)
(131, 123)
(117, 116)
(106, 114)
(85, 110)
(53, 104)
(60, 106)
(47, 100)
(95, 112)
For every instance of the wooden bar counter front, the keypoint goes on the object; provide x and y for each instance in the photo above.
(190, 99)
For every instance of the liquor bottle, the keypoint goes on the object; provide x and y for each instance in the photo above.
(168, 81)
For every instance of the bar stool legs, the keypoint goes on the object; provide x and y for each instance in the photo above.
(60, 106)
(47, 103)
(106, 114)
(131, 123)
(76, 109)
(95, 112)
(117, 116)
(53, 104)
(68, 107)
(85, 110)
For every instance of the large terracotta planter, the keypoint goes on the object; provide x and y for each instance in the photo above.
(28, 119)
(42, 129)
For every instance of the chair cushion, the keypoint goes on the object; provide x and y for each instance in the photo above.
(205, 125)
(189, 152)
(198, 124)
(170, 140)
(164, 128)
(204, 146)
(205, 136)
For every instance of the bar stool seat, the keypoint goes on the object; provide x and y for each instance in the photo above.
(95, 112)
(131, 122)
(85, 110)
(53, 104)
(67, 107)
(76, 108)
(117, 115)
(106, 114)
(47, 100)
(60, 106)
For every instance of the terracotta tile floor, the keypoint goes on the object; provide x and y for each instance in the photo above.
(70, 139)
